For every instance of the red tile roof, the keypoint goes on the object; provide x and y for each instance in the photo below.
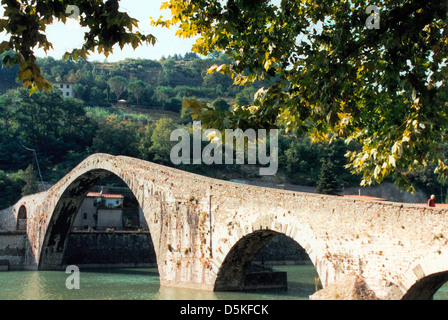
(104, 195)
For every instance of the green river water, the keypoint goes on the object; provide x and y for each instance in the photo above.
(143, 284)
(137, 284)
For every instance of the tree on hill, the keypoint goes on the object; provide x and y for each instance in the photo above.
(137, 89)
(327, 182)
(46, 122)
(115, 136)
(222, 104)
(191, 56)
(118, 85)
(31, 183)
(10, 189)
(161, 143)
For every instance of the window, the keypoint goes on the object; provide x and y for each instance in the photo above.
(68, 86)
(67, 94)
(84, 215)
(62, 86)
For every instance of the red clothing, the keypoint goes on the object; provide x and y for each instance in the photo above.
(431, 203)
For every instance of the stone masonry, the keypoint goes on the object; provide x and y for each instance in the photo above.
(206, 231)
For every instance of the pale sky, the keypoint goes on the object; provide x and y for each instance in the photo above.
(70, 36)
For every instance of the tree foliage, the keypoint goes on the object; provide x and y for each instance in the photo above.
(327, 183)
(161, 143)
(137, 89)
(10, 189)
(31, 183)
(25, 23)
(118, 85)
(44, 122)
(116, 137)
(332, 76)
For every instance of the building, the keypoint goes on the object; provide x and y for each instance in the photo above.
(65, 88)
(100, 212)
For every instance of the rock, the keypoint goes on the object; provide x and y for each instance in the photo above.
(349, 287)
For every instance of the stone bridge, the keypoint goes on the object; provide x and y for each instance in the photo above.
(206, 231)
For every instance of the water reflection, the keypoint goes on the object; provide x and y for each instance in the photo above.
(34, 286)
(166, 293)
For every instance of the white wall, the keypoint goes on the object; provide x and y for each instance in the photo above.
(110, 218)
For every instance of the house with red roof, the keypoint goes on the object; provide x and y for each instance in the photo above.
(100, 211)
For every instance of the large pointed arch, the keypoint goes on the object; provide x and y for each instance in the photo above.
(64, 213)
(63, 216)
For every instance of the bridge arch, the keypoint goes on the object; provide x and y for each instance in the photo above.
(231, 275)
(64, 213)
(249, 236)
(425, 288)
(426, 276)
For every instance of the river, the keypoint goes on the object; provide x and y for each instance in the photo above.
(143, 284)
(140, 284)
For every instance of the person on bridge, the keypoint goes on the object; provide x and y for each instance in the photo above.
(431, 201)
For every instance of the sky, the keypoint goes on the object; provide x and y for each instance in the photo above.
(70, 36)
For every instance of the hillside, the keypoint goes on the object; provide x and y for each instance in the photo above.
(154, 91)
(8, 78)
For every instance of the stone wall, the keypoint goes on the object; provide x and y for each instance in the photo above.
(12, 249)
(110, 249)
(7, 219)
(129, 249)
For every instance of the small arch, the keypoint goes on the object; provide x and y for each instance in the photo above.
(425, 288)
(237, 264)
(233, 269)
(21, 218)
(426, 276)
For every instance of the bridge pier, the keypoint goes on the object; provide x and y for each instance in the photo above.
(349, 287)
